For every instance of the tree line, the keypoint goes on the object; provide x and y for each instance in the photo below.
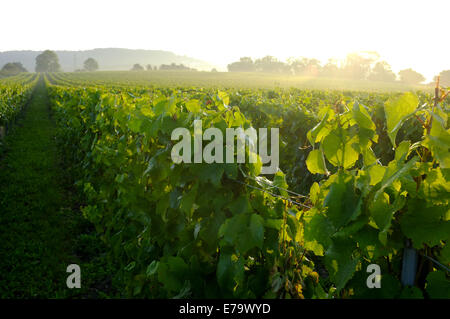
(47, 61)
(172, 66)
(356, 66)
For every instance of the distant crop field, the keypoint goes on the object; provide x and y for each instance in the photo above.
(233, 80)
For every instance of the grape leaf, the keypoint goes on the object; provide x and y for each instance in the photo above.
(316, 162)
(438, 286)
(425, 224)
(397, 110)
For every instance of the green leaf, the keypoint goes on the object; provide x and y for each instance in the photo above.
(438, 286)
(342, 203)
(210, 229)
(209, 172)
(177, 265)
(340, 262)
(274, 223)
(393, 173)
(257, 229)
(439, 142)
(172, 273)
(243, 231)
(314, 193)
(230, 271)
(436, 187)
(425, 224)
(316, 162)
(134, 124)
(165, 106)
(402, 151)
(197, 228)
(292, 225)
(188, 199)
(368, 241)
(376, 174)
(162, 206)
(382, 212)
(225, 271)
(279, 180)
(239, 119)
(232, 227)
(152, 268)
(369, 156)
(331, 145)
(314, 134)
(224, 97)
(318, 231)
(397, 110)
(352, 227)
(255, 168)
(241, 205)
(362, 117)
(130, 266)
(193, 106)
(444, 256)
(336, 149)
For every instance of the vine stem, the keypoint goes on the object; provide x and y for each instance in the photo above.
(430, 121)
(436, 101)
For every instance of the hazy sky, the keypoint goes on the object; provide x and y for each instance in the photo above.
(407, 33)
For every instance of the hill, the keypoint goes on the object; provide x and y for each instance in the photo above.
(109, 59)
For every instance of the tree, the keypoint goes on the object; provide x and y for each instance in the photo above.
(357, 66)
(149, 67)
(270, 64)
(444, 78)
(137, 67)
(382, 72)
(14, 68)
(245, 64)
(174, 66)
(47, 61)
(331, 69)
(304, 66)
(410, 76)
(91, 65)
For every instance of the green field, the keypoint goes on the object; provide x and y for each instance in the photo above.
(87, 177)
(235, 80)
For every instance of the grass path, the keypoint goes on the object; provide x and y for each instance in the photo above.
(39, 229)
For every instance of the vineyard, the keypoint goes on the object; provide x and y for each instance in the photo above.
(363, 180)
(14, 92)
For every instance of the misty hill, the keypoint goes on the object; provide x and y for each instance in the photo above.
(108, 59)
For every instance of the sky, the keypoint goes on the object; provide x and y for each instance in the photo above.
(406, 33)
